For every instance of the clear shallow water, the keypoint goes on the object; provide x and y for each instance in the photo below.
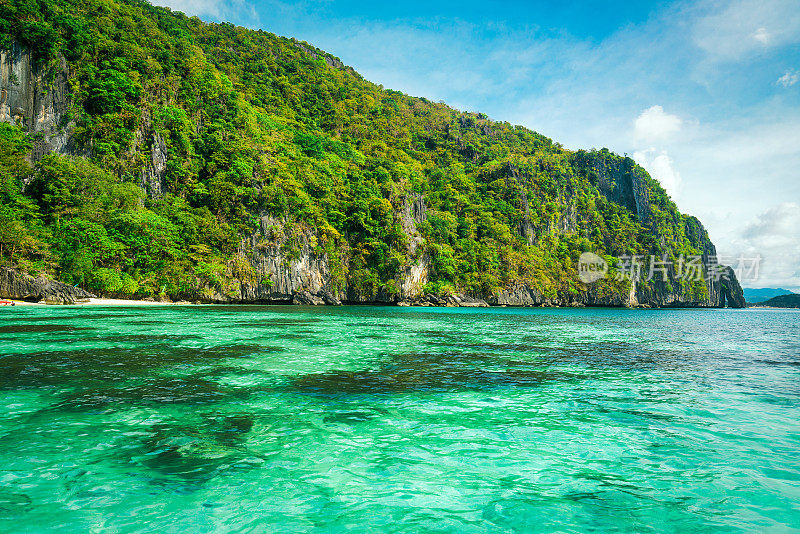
(267, 419)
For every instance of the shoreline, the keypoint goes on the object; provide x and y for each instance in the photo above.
(41, 290)
(106, 302)
(145, 303)
(128, 302)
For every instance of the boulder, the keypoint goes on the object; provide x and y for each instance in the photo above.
(305, 298)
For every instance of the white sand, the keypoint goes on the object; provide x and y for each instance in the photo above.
(107, 302)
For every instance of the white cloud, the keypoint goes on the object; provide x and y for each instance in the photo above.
(774, 235)
(655, 128)
(654, 125)
(735, 171)
(779, 224)
(743, 27)
(762, 36)
(759, 145)
(789, 78)
(661, 167)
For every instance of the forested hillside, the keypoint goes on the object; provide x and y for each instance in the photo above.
(144, 153)
(791, 300)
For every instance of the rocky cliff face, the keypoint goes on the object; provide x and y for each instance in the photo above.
(415, 275)
(281, 263)
(149, 143)
(286, 265)
(36, 97)
(628, 187)
(288, 269)
(623, 186)
(16, 285)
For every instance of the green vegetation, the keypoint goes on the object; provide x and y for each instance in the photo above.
(253, 124)
(782, 301)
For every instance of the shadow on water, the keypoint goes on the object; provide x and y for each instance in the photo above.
(791, 363)
(230, 429)
(155, 391)
(46, 318)
(430, 372)
(40, 328)
(549, 350)
(128, 338)
(191, 455)
(26, 319)
(111, 364)
(13, 504)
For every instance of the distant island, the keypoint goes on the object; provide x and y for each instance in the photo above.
(791, 300)
(212, 163)
(754, 295)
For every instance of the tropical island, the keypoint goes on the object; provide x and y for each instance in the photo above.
(145, 154)
(791, 300)
(492, 366)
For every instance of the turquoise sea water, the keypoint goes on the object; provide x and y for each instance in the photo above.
(379, 419)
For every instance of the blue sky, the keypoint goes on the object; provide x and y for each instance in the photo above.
(705, 95)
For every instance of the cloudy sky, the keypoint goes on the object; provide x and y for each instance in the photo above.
(705, 95)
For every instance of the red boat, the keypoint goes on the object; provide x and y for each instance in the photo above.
(4, 302)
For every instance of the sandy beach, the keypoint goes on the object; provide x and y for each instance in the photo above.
(106, 302)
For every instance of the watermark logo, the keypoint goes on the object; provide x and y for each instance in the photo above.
(591, 268)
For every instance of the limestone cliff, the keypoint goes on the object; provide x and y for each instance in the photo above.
(149, 143)
(281, 262)
(631, 188)
(36, 97)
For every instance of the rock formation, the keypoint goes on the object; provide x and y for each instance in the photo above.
(16, 285)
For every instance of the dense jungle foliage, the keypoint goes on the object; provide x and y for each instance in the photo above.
(256, 124)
